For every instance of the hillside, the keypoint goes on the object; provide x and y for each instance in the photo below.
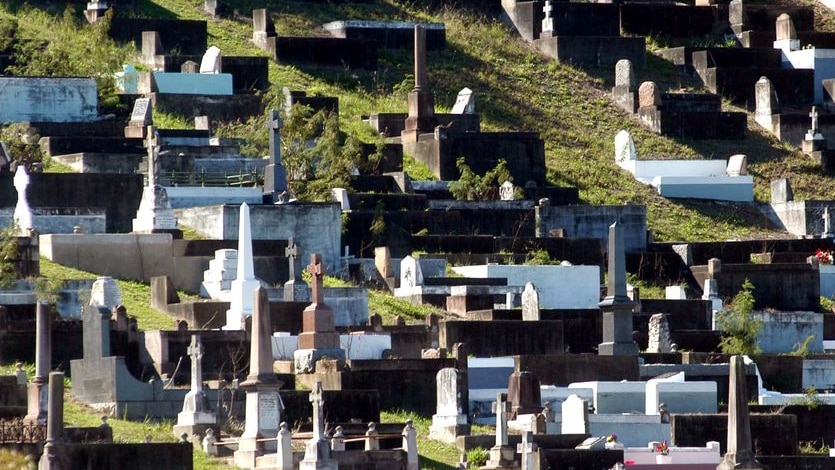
(516, 90)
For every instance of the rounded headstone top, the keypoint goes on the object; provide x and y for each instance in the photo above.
(649, 95)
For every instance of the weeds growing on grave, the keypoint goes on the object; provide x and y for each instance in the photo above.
(739, 328)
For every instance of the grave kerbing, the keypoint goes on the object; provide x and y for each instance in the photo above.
(617, 306)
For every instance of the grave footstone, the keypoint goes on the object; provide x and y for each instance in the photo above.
(450, 418)
(617, 306)
(241, 297)
(317, 452)
(263, 402)
(649, 95)
(530, 303)
(739, 454)
(22, 212)
(464, 103)
(275, 175)
(295, 289)
(659, 334)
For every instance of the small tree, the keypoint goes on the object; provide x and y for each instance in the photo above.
(473, 187)
(739, 328)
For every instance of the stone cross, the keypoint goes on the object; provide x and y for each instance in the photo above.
(420, 58)
(500, 409)
(316, 271)
(548, 22)
(195, 351)
(317, 400)
(814, 116)
(153, 153)
(274, 126)
(291, 252)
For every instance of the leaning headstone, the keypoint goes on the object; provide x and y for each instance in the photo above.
(241, 300)
(740, 453)
(450, 418)
(530, 303)
(649, 95)
(659, 334)
(263, 403)
(317, 452)
(575, 415)
(211, 60)
(22, 211)
(617, 306)
(624, 148)
(738, 165)
(781, 191)
(464, 103)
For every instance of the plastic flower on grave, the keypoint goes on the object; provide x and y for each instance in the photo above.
(824, 257)
(663, 448)
(612, 438)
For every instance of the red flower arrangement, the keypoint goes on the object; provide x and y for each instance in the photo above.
(824, 257)
(663, 448)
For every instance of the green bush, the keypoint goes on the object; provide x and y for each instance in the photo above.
(739, 328)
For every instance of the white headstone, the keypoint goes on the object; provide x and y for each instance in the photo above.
(142, 112)
(410, 273)
(244, 285)
(128, 79)
(506, 191)
(624, 148)
(548, 21)
(22, 211)
(737, 165)
(211, 61)
(575, 415)
(105, 293)
(675, 293)
(530, 303)
(464, 103)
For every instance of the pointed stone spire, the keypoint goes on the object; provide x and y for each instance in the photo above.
(740, 454)
(245, 283)
(261, 351)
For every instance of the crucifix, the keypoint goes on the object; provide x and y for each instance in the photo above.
(316, 271)
(291, 252)
(318, 417)
(814, 116)
(195, 351)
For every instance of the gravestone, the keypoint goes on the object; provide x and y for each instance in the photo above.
(738, 165)
(464, 103)
(55, 424)
(507, 191)
(195, 418)
(210, 63)
(548, 21)
(813, 141)
(786, 34)
(382, 261)
(140, 118)
(524, 393)
(317, 451)
(501, 454)
(275, 175)
(95, 10)
(530, 303)
(155, 214)
(649, 95)
(711, 293)
(767, 103)
(781, 191)
(263, 403)
(37, 390)
(202, 123)
(318, 337)
(262, 27)
(624, 92)
(410, 273)
(617, 306)
(241, 297)
(659, 334)
(284, 450)
(527, 449)
(450, 418)
(213, 8)
(739, 454)
(22, 211)
(624, 148)
(190, 66)
(295, 289)
(105, 293)
(409, 444)
(421, 118)
(575, 416)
